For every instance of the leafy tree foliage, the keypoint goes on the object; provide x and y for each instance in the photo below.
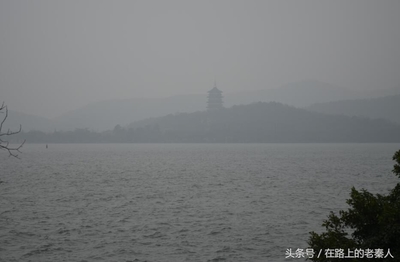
(371, 222)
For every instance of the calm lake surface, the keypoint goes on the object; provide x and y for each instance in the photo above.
(178, 202)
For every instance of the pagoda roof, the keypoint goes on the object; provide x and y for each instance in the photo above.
(214, 90)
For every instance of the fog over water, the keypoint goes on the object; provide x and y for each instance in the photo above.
(57, 56)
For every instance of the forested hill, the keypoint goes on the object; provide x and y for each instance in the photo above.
(387, 107)
(261, 122)
(255, 123)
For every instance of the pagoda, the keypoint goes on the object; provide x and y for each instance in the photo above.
(214, 98)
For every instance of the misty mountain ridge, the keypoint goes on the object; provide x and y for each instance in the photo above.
(27, 122)
(105, 115)
(297, 94)
(261, 122)
(387, 107)
(373, 93)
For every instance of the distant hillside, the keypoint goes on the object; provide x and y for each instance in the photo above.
(380, 92)
(105, 115)
(261, 122)
(28, 122)
(298, 94)
(383, 107)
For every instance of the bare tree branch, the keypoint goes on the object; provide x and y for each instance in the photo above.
(4, 144)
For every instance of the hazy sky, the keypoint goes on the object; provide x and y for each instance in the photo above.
(59, 55)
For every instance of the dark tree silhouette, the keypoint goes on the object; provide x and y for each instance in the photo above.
(372, 222)
(4, 143)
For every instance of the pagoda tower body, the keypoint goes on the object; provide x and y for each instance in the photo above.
(214, 99)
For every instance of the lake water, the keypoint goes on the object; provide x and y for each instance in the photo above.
(178, 202)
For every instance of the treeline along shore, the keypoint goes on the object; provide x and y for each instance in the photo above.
(254, 123)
